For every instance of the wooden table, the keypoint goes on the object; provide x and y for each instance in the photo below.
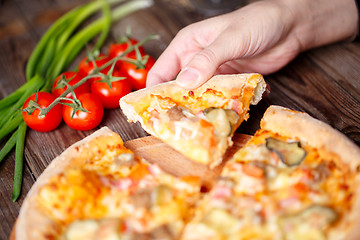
(324, 82)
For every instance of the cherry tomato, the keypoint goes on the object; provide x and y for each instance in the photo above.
(76, 77)
(51, 120)
(116, 49)
(110, 97)
(137, 76)
(86, 67)
(84, 120)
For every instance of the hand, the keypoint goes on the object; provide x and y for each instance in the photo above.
(261, 37)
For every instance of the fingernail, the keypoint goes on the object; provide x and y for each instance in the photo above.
(188, 78)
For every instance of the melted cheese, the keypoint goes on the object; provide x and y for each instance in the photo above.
(276, 204)
(76, 194)
(104, 187)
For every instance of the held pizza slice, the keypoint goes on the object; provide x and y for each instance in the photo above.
(297, 178)
(198, 123)
(98, 189)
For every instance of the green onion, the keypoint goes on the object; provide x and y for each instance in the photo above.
(61, 30)
(11, 124)
(82, 15)
(39, 49)
(8, 146)
(14, 96)
(49, 54)
(19, 160)
(10, 112)
(106, 26)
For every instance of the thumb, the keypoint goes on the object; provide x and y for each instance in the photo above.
(204, 64)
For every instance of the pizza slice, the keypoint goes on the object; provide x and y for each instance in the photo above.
(199, 123)
(98, 189)
(297, 178)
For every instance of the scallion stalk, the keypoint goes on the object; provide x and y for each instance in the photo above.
(39, 49)
(19, 160)
(8, 146)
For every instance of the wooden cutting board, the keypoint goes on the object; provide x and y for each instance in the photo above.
(173, 162)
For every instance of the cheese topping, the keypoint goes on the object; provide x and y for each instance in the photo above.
(114, 190)
(261, 196)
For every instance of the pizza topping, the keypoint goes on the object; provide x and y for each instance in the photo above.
(125, 159)
(147, 197)
(232, 116)
(175, 114)
(85, 229)
(162, 195)
(91, 229)
(253, 170)
(141, 198)
(319, 216)
(164, 232)
(222, 119)
(114, 229)
(290, 153)
(121, 184)
(221, 220)
(75, 194)
(221, 192)
(249, 179)
(321, 172)
(309, 223)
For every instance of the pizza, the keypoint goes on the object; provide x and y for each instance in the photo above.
(297, 178)
(98, 189)
(198, 123)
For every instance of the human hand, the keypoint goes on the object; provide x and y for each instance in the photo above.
(261, 37)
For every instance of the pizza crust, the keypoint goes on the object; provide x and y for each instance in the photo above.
(229, 85)
(320, 135)
(30, 217)
(301, 125)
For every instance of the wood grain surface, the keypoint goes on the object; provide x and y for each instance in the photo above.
(324, 82)
(156, 151)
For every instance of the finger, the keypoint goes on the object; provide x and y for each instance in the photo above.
(165, 68)
(169, 64)
(206, 62)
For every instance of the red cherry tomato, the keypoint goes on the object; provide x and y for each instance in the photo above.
(116, 49)
(110, 97)
(76, 77)
(86, 67)
(137, 76)
(51, 120)
(84, 120)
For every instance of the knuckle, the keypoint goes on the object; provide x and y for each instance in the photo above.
(206, 56)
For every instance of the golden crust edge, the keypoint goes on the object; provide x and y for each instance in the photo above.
(28, 214)
(227, 84)
(291, 123)
(299, 124)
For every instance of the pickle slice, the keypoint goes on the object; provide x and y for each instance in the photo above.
(290, 153)
(320, 216)
(222, 119)
(309, 223)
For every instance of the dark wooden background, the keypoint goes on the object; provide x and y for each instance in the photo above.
(324, 82)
